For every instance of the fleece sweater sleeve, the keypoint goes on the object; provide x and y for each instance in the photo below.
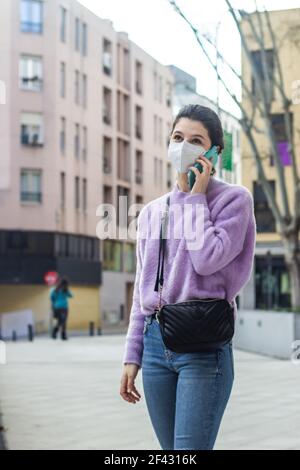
(224, 230)
(134, 338)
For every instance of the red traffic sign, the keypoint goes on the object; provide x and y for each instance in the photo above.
(51, 278)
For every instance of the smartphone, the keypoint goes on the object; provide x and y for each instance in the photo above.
(211, 154)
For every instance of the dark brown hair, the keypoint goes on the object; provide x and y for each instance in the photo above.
(208, 118)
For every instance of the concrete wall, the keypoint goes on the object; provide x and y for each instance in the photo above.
(269, 333)
(83, 308)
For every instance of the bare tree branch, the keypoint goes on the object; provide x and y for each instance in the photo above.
(266, 116)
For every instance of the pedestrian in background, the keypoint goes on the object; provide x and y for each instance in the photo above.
(60, 305)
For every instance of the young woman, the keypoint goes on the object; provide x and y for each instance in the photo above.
(60, 306)
(187, 393)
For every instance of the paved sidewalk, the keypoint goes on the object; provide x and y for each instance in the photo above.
(65, 395)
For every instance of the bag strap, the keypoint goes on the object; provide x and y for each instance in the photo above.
(161, 256)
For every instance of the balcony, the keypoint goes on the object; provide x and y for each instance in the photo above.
(31, 83)
(31, 27)
(31, 140)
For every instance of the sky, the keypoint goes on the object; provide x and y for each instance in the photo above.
(162, 33)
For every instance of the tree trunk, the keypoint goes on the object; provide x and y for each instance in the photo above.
(292, 259)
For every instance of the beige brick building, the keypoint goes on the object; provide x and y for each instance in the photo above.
(269, 285)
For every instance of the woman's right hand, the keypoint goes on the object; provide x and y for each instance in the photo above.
(128, 390)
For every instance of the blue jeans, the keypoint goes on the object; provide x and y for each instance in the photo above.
(186, 393)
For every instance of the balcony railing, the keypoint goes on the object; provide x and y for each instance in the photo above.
(31, 27)
(34, 140)
(27, 196)
(31, 83)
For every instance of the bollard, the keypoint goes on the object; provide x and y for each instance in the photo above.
(99, 331)
(30, 333)
(14, 336)
(92, 328)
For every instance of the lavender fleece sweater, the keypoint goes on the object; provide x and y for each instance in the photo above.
(219, 268)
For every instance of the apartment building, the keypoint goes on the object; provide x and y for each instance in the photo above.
(85, 122)
(270, 286)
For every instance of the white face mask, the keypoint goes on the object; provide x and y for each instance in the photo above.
(183, 154)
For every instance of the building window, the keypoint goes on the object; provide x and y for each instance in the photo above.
(84, 39)
(107, 155)
(169, 95)
(264, 217)
(160, 131)
(63, 24)
(123, 199)
(107, 57)
(126, 69)
(30, 73)
(32, 129)
(123, 113)
(31, 16)
(112, 255)
(84, 90)
(169, 175)
(77, 141)
(258, 63)
(129, 257)
(84, 142)
(77, 34)
(63, 80)
(107, 104)
(77, 192)
(76, 86)
(123, 159)
(84, 194)
(31, 186)
(62, 140)
(107, 196)
(62, 190)
(138, 122)
(138, 77)
(278, 125)
(139, 167)
(272, 282)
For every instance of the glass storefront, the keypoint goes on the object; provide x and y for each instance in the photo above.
(272, 283)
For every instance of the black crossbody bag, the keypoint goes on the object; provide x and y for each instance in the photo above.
(195, 325)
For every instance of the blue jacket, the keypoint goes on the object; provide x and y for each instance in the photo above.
(59, 299)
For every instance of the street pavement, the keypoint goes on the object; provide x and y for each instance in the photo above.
(65, 395)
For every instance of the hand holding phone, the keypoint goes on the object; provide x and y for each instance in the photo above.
(211, 154)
